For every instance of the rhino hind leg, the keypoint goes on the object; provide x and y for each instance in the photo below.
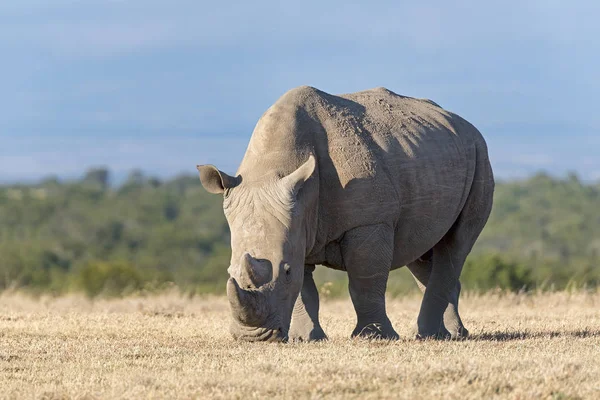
(367, 253)
(452, 324)
(305, 324)
(438, 316)
(443, 286)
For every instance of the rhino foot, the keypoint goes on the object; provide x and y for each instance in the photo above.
(309, 335)
(376, 331)
(460, 333)
(454, 325)
(439, 334)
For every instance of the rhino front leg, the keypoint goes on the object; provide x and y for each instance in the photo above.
(367, 253)
(305, 317)
(452, 324)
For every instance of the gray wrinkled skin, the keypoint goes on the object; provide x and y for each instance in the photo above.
(366, 183)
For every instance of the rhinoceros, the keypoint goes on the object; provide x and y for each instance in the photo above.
(365, 182)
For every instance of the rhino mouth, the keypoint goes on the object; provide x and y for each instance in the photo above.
(252, 334)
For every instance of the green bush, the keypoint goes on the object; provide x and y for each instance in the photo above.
(491, 271)
(89, 236)
(108, 279)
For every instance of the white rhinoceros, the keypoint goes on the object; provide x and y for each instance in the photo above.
(365, 182)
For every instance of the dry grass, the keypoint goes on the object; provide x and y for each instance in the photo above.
(542, 346)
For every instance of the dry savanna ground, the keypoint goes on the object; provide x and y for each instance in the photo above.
(522, 346)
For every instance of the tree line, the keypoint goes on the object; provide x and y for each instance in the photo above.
(147, 234)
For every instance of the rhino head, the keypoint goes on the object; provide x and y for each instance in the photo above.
(269, 222)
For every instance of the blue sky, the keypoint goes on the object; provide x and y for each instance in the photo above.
(165, 85)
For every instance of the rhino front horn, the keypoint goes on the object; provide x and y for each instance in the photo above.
(249, 307)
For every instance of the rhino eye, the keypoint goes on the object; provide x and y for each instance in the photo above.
(287, 269)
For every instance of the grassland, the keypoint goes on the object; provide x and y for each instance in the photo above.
(522, 346)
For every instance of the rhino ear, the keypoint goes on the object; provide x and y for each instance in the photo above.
(215, 181)
(296, 179)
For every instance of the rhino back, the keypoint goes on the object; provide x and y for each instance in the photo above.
(382, 158)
